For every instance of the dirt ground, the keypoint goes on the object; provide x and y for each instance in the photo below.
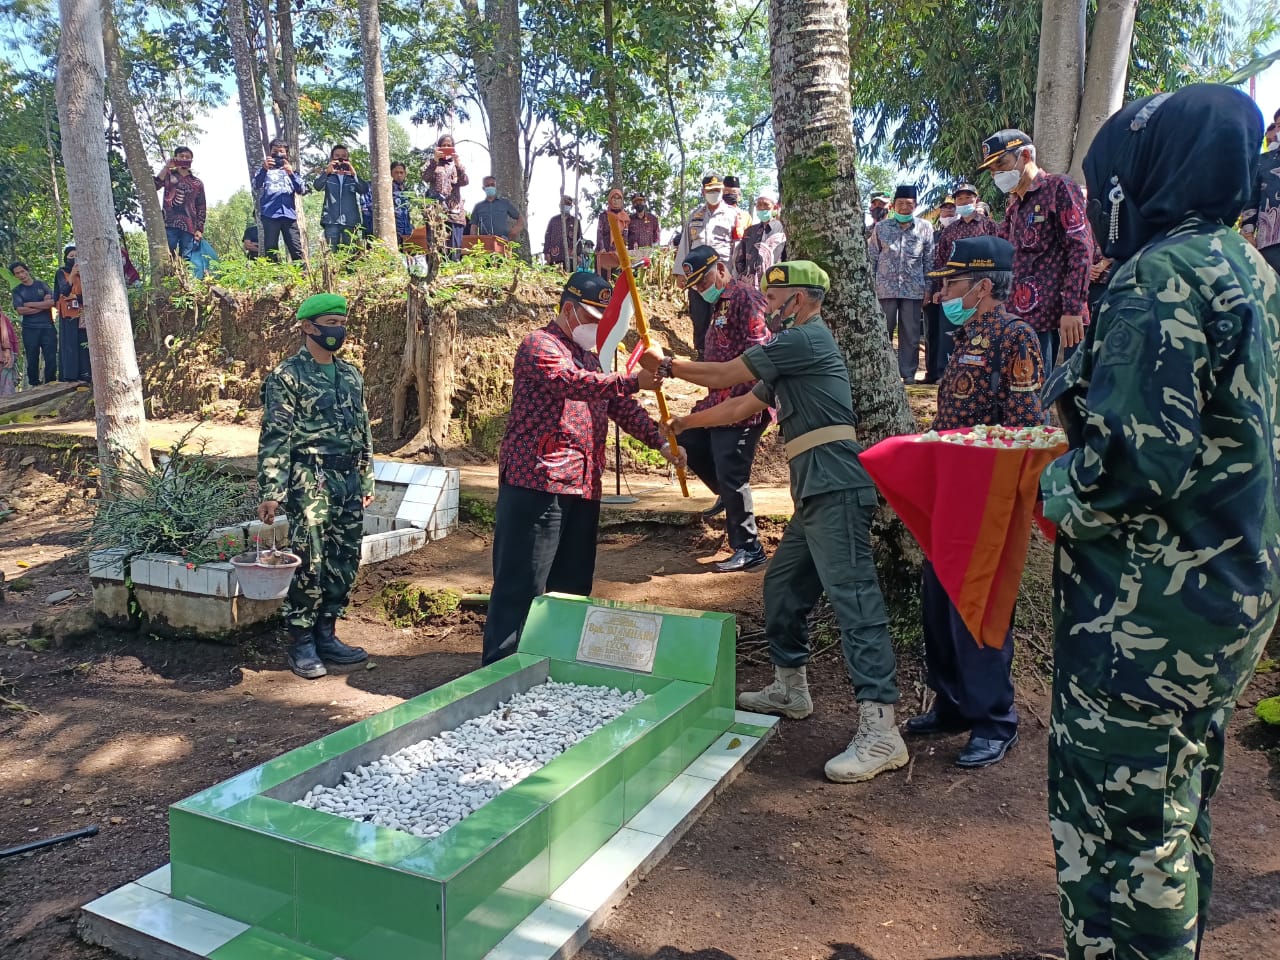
(923, 864)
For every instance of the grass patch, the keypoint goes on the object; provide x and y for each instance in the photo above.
(477, 511)
(642, 454)
(21, 585)
(409, 605)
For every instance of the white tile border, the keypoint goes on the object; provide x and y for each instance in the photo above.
(556, 930)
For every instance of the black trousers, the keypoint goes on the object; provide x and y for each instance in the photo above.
(938, 342)
(273, 228)
(542, 543)
(722, 457)
(40, 339)
(973, 682)
(700, 314)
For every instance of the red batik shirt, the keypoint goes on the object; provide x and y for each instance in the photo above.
(737, 322)
(561, 404)
(1052, 251)
(643, 230)
(965, 394)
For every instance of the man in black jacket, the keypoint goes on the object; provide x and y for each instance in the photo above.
(342, 186)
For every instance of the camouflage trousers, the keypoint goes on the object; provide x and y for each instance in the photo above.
(326, 525)
(1129, 791)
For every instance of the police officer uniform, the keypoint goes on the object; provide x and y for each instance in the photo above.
(315, 455)
(714, 228)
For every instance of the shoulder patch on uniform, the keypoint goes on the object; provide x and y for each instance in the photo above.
(1123, 341)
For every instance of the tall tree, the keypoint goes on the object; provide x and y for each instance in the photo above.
(117, 384)
(809, 80)
(1059, 81)
(1105, 76)
(135, 153)
(243, 64)
(495, 40)
(384, 222)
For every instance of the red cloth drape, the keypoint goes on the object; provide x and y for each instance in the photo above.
(971, 509)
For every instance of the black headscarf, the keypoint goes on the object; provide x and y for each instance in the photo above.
(1165, 157)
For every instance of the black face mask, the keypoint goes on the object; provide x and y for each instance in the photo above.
(329, 338)
(731, 199)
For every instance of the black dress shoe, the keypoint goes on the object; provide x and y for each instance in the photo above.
(303, 659)
(930, 722)
(331, 648)
(714, 510)
(981, 752)
(742, 560)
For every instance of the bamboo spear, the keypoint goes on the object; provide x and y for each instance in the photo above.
(642, 328)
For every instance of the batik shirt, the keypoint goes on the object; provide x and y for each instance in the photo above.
(561, 405)
(554, 247)
(971, 393)
(446, 181)
(962, 229)
(183, 203)
(306, 411)
(1262, 218)
(1168, 519)
(1052, 251)
(900, 256)
(604, 235)
(737, 322)
(643, 230)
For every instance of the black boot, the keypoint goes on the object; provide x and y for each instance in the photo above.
(331, 648)
(302, 654)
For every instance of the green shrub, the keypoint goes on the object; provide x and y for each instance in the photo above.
(1268, 711)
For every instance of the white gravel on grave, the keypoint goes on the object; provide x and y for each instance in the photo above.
(427, 787)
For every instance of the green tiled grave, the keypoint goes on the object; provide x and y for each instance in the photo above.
(297, 882)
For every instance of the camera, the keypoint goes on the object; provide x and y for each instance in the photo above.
(277, 161)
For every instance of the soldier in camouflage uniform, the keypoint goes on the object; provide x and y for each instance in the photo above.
(1168, 547)
(315, 453)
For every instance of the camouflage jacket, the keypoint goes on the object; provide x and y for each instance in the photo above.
(303, 413)
(1168, 519)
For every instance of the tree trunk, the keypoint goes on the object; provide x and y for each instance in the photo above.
(375, 98)
(117, 384)
(1105, 74)
(246, 86)
(1059, 80)
(53, 173)
(813, 133)
(611, 101)
(272, 68)
(496, 45)
(428, 366)
(135, 153)
(817, 172)
(292, 113)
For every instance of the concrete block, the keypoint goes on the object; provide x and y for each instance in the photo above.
(108, 564)
(111, 602)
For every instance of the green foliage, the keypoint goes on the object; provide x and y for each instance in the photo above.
(1268, 711)
(171, 509)
(225, 224)
(476, 511)
(409, 605)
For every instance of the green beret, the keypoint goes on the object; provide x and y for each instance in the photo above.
(795, 273)
(322, 304)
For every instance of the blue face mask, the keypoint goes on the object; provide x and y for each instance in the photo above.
(764, 216)
(711, 294)
(490, 191)
(903, 217)
(956, 312)
(966, 210)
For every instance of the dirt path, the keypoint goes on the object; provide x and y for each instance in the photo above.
(931, 864)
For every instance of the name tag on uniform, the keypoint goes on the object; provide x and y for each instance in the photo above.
(973, 360)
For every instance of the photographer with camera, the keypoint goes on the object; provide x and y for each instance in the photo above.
(183, 203)
(275, 184)
(445, 178)
(340, 215)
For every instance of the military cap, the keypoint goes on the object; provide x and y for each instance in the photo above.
(998, 144)
(322, 305)
(712, 182)
(906, 191)
(795, 273)
(588, 289)
(697, 262)
(965, 188)
(977, 255)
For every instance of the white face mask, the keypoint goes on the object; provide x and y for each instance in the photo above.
(1006, 180)
(584, 335)
(713, 197)
(947, 221)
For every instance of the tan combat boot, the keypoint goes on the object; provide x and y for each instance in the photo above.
(875, 748)
(787, 695)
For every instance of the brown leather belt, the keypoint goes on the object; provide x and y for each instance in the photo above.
(816, 438)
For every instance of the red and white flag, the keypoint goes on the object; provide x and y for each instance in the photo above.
(615, 323)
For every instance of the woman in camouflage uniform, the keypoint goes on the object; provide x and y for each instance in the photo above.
(1168, 548)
